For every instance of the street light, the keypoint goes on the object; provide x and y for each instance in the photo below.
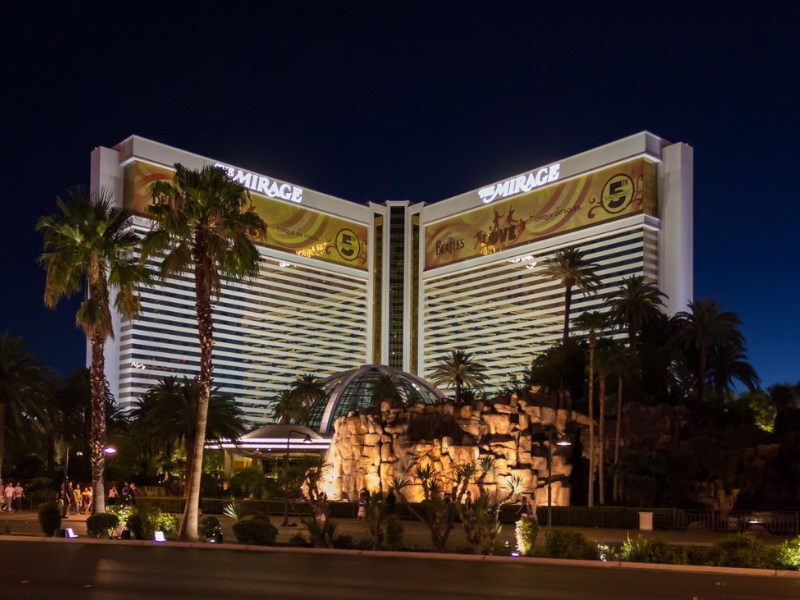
(306, 440)
(561, 442)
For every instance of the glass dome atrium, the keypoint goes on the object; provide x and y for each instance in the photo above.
(351, 391)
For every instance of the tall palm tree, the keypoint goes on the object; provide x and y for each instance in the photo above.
(635, 304)
(591, 322)
(23, 387)
(206, 225)
(308, 390)
(459, 369)
(288, 407)
(726, 363)
(89, 244)
(168, 415)
(385, 387)
(704, 325)
(604, 364)
(571, 268)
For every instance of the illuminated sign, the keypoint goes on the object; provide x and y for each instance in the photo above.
(521, 183)
(263, 185)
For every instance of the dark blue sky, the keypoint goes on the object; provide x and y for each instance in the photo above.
(418, 101)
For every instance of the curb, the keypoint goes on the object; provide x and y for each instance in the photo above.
(553, 562)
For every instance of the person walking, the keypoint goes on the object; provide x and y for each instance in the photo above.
(64, 500)
(112, 494)
(9, 495)
(86, 500)
(2, 496)
(19, 494)
(362, 506)
(76, 499)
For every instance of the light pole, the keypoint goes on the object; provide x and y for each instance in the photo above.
(561, 442)
(306, 440)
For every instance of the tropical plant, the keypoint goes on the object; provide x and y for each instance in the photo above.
(23, 388)
(591, 322)
(527, 530)
(210, 528)
(308, 390)
(288, 407)
(635, 304)
(607, 362)
(167, 414)
(457, 370)
(234, 510)
(703, 326)
(385, 387)
(561, 543)
(726, 363)
(571, 269)
(102, 525)
(256, 531)
(203, 224)
(49, 518)
(90, 246)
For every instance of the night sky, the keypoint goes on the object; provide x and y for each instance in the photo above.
(421, 101)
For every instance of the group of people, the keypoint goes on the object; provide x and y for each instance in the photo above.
(11, 496)
(126, 494)
(75, 500)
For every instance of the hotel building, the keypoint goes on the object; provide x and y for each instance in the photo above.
(399, 283)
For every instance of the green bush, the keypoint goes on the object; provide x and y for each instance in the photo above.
(560, 543)
(742, 550)
(257, 531)
(526, 533)
(49, 518)
(320, 533)
(101, 525)
(646, 551)
(394, 533)
(789, 554)
(146, 520)
(210, 527)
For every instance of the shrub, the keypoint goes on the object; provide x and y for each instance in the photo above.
(257, 531)
(394, 533)
(647, 551)
(364, 544)
(102, 525)
(320, 533)
(527, 530)
(560, 543)
(789, 554)
(210, 527)
(742, 550)
(298, 540)
(49, 518)
(146, 520)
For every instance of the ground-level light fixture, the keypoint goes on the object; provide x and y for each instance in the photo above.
(159, 537)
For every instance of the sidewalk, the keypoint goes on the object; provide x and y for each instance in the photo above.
(416, 534)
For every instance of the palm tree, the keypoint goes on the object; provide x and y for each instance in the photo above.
(89, 244)
(635, 304)
(288, 407)
(726, 363)
(704, 325)
(604, 364)
(308, 390)
(23, 387)
(204, 224)
(167, 414)
(591, 322)
(571, 268)
(385, 387)
(459, 369)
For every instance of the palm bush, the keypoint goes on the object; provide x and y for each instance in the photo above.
(49, 518)
(743, 550)
(102, 525)
(257, 531)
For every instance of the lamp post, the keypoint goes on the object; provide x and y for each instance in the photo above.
(306, 440)
(561, 442)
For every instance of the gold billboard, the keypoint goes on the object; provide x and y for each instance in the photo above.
(580, 202)
(290, 227)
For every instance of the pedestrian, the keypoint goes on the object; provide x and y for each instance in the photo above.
(19, 494)
(2, 496)
(391, 500)
(76, 499)
(64, 500)
(362, 506)
(86, 499)
(9, 495)
(132, 494)
(112, 494)
(126, 493)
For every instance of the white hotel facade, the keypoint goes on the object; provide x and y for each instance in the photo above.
(400, 283)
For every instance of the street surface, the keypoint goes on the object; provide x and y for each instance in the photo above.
(73, 570)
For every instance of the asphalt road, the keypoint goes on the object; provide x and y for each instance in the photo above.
(68, 570)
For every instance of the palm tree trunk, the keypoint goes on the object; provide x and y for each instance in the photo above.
(97, 437)
(591, 419)
(617, 440)
(567, 305)
(205, 331)
(601, 439)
